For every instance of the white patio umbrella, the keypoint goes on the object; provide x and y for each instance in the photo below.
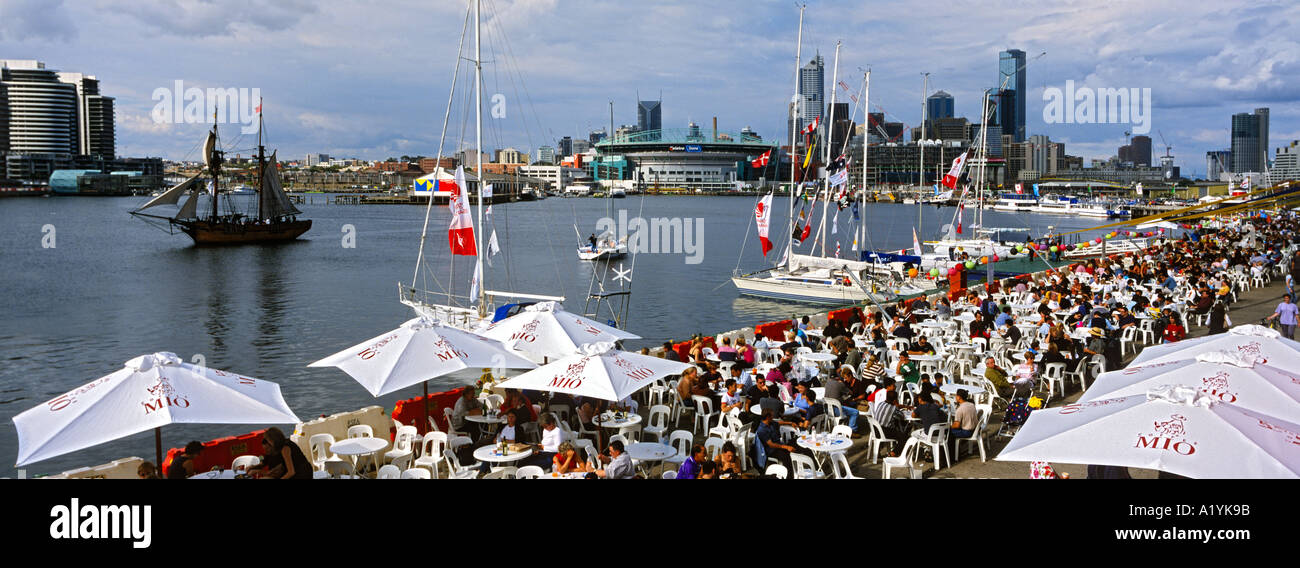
(151, 391)
(1263, 344)
(546, 330)
(422, 349)
(598, 371)
(1222, 375)
(1172, 429)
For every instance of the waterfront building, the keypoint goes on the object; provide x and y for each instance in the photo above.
(1249, 149)
(939, 105)
(1286, 164)
(1217, 163)
(1011, 101)
(812, 91)
(545, 155)
(649, 115)
(684, 159)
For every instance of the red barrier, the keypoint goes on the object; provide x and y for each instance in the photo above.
(774, 331)
(846, 316)
(683, 348)
(220, 452)
(408, 411)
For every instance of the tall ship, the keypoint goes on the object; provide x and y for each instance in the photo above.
(273, 219)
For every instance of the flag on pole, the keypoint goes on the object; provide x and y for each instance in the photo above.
(808, 159)
(1020, 189)
(761, 161)
(785, 256)
(835, 224)
(839, 178)
(493, 249)
(812, 126)
(855, 212)
(954, 173)
(763, 217)
(478, 276)
(961, 208)
(916, 243)
(837, 249)
(487, 198)
(1035, 190)
(461, 232)
(855, 244)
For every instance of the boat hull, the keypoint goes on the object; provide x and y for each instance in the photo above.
(803, 293)
(227, 233)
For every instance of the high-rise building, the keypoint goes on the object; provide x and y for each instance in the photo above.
(566, 147)
(939, 105)
(581, 146)
(1011, 76)
(1005, 117)
(1125, 154)
(1216, 163)
(596, 136)
(316, 159)
(1262, 113)
(812, 91)
(841, 126)
(95, 132)
(41, 110)
(1286, 163)
(649, 115)
(509, 156)
(1247, 149)
(545, 155)
(1140, 151)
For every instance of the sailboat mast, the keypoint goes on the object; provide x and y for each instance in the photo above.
(827, 128)
(261, 161)
(794, 123)
(478, 149)
(866, 151)
(920, 177)
(216, 166)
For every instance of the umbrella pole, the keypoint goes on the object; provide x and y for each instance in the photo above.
(424, 426)
(157, 445)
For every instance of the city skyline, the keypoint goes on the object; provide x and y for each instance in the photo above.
(344, 85)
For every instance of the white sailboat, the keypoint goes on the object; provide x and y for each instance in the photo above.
(810, 278)
(480, 307)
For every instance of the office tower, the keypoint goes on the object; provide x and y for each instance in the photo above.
(812, 91)
(566, 146)
(1011, 64)
(1216, 163)
(649, 115)
(41, 110)
(1247, 153)
(1140, 151)
(939, 105)
(596, 136)
(94, 118)
(840, 124)
(545, 155)
(1262, 113)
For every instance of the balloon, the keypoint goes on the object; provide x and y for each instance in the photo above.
(970, 264)
(934, 272)
(911, 273)
(995, 258)
(1108, 237)
(1098, 240)
(1053, 249)
(1020, 248)
(1083, 244)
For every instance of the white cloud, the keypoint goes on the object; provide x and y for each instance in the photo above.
(35, 20)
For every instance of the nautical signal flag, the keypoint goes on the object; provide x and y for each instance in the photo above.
(812, 126)
(961, 208)
(1020, 189)
(950, 180)
(761, 161)
(461, 232)
(763, 217)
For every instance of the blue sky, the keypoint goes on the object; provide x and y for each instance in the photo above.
(370, 79)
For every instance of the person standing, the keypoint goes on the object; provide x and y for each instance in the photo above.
(1286, 315)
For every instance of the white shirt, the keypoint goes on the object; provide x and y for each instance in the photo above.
(731, 399)
(551, 439)
(507, 433)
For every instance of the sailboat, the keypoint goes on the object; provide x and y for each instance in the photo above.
(275, 219)
(478, 309)
(809, 278)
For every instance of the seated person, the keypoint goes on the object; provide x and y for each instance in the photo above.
(964, 420)
(726, 352)
(568, 460)
(907, 369)
(921, 347)
(618, 465)
(727, 463)
(997, 376)
(928, 411)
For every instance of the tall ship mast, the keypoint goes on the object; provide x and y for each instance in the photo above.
(275, 218)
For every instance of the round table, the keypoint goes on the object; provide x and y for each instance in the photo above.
(606, 420)
(952, 388)
(357, 447)
(817, 357)
(223, 474)
(489, 421)
(932, 324)
(570, 475)
(926, 358)
(490, 454)
(825, 443)
(650, 452)
(758, 409)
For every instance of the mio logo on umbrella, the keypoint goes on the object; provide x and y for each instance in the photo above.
(1079, 406)
(1218, 386)
(1139, 369)
(373, 350)
(528, 333)
(68, 399)
(163, 396)
(1289, 436)
(445, 351)
(633, 371)
(1168, 435)
(571, 378)
(587, 327)
(1251, 352)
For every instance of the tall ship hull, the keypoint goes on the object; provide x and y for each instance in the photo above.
(208, 232)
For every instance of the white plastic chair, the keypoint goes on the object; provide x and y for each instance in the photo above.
(361, 431)
(936, 438)
(670, 474)
(529, 472)
(403, 444)
(714, 447)
(681, 440)
(805, 467)
(777, 470)
(657, 422)
(457, 471)
(906, 459)
(506, 472)
(840, 465)
(877, 438)
(338, 469)
(976, 438)
(1053, 375)
(319, 445)
(451, 429)
(431, 451)
(842, 430)
(704, 413)
(416, 473)
(242, 463)
(389, 471)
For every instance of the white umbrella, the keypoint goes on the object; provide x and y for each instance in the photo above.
(1263, 344)
(1172, 429)
(422, 349)
(1221, 375)
(598, 371)
(151, 391)
(545, 329)
(1160, 225)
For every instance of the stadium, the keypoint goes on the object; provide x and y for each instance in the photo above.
(684, 159)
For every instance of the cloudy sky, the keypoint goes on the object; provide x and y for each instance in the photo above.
(370, 79)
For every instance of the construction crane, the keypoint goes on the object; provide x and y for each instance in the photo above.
(1167, 146)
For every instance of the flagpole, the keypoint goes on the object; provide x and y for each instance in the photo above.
(866, 151)
(920, 174)
(794, 128)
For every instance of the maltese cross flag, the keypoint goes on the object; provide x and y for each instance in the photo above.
(954, 174)
(461, 232)
(763, 217)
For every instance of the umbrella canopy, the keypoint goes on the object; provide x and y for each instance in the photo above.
(1172, 429)
(422, 349)
(545, 329)
(151, 391)
(598, 371)
(1221, 375)
(1261, 343)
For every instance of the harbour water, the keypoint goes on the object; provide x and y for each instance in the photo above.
(112, 288)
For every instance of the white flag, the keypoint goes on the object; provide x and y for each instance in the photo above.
(478, 276)
(835, 224)
(916, 244)
(840, 177)
(487, 198)
(785, 256)
(493, 249)
(855, 244)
